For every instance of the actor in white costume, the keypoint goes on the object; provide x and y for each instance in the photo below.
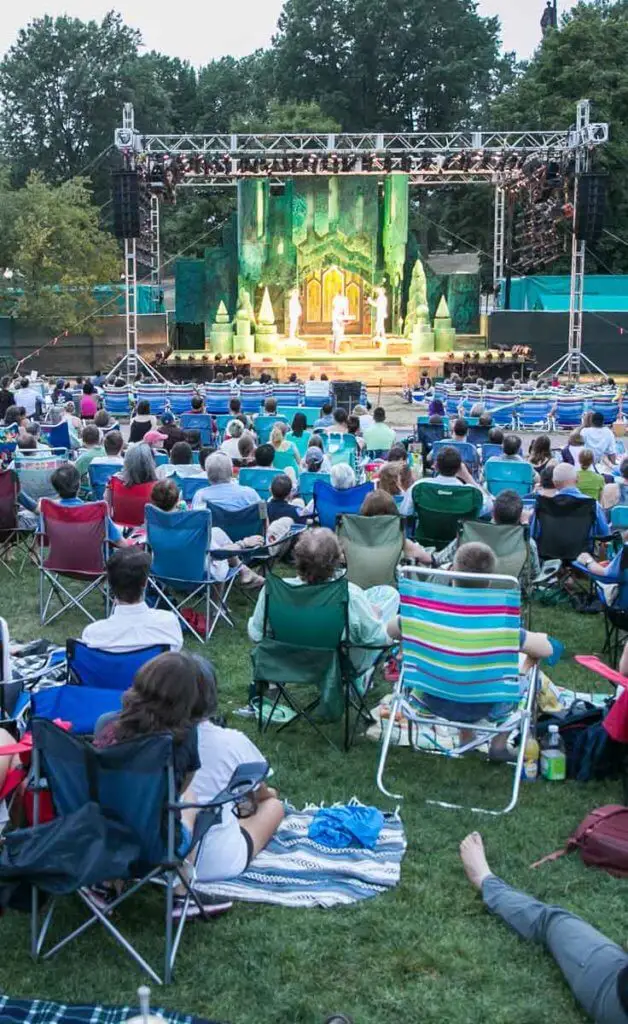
(295, 312)
(339, 317)
(380, 305)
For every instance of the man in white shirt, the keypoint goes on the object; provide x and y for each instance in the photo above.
(28, 398)
(132, 624)
(600, 439)
(181, 463)
(450, 470)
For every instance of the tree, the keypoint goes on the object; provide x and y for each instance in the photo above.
(293, 117)
(59, 253)
(403, 65)
(230, 89)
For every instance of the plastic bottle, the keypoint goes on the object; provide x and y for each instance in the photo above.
(530, 767)
(553, 757)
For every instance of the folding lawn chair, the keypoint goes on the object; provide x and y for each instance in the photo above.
(117, 401)
(288, 394)
(35, 471)
(307, 481)
(133, 787)
(180, 397)
(468, 453)
(372, 548)
(438, 509)
(329, 502)
(569, 411)
(287, 413)
(99, 477)
(511, 547)
(57, 435)
(501, 475)
(305, 647)
(478, 435)
(96, 681)
(181, 546)
(428, 434)
(155, 394)
(563, 527)
(252, 396)
(490, 450)
(189, 485)
(534, 412)
(259, 479)
(76, 541)
(12, 535)
(608, 408)
(128, 504)
(612, 591)
(287, 460)
(217, 397)
(619, 517)
(263, 425)
(460, 645)
(201, 421)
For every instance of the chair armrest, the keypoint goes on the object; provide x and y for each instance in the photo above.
(244, 780)
(596, 665)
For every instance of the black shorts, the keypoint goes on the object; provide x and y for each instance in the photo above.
(248, 839)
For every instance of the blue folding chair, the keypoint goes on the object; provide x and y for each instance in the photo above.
(306, 484)
(263, 425)
(478, 435)
(96, 681)
(221, 422)
(329, 502)
(619, 517)
(502, 413)
(287, 394)
(468, 453)
(201, 421)
(609, 409)
(534, 412)
(180, 397)
(181, 546)
(57, 435)
(155, 394)
(569, 411)
(131, 789)
(117, 401)
(459, 645)
(287, 412)
(509, 476)
(218, 397)
(99, 476)
(189, 485)
(161, 458)
(490, 450)
(252, 397)
(259, 479)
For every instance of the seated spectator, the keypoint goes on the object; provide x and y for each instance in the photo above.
(342, 476)
(173, 433)
(270, 407)
(572, 449)
(67, 482)
(141, 422)
(595, 968)
(339, 422)
(235, 430)
(138, 468)
(246, 450)
(389, 479)
(132, 624)
(397, 454)
(7, 398)
(546, 482)
(89, 401)
(460, 429)
(299, 435)
(617, 492)
(511, 450)
(279, 504)
(450, 469)
(104, 422)
(181, 463)
(565, 481)
(353, 429)
(285, 455)
(264, 455)
(317, 557)
(380, 503)
(154, 439)
(436, 408)
(364, 416)
(496, 435)
(166, 496)
(193, 438)
(315, 460)
(73, 421)
(28, 398)
(230, 845)
(112, 445)
(26, 444)
(485, 420)
(16, 414)
(222, 489)
(91, 448)
(326, 418)
(235, 407)
(197, 405)
(589, 482)
(600, 440)
(540, 452)
(508, 510)
(379, 437)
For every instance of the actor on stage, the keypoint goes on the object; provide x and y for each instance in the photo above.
(339, 317)
(295, 312)
(380, 305)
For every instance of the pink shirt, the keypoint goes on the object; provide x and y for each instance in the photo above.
(89, 406)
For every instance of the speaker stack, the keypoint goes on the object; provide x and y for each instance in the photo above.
(590, 207)
(126, 204)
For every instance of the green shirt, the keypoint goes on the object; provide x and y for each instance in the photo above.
(379, 437)
(590, 483)
(83, 461)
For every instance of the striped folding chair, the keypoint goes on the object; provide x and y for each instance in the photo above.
(155, 394)
(218, 396)
(460, 644)
(117, 401)
(180, 397)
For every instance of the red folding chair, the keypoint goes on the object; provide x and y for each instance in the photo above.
(11, 534)
(127, 504)
(76, 541)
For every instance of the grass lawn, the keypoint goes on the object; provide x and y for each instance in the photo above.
(427, 951)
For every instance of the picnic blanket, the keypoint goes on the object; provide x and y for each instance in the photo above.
(38, 1011)
(295, 871)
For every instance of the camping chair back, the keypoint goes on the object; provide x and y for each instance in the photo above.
(34, 473)
(57, 435)
(76, 537)
(478, 435)
(259, 479)
(288, 394)
(439, 509)
(287, 412)
(180, 397)
(180, 543)
(509, 476)
(311, 616)
(130, 781)
(99, 476)
(510, 544)
(372, 546)
(286, 460)
(569, 411)
(240, 523)
(619, 517)
(609, 409)
(217, 397)
(116, 400)
(252, 396)
(263, 425)
(128, 503)
(96, 682)
(468, 453)
(9, 490)
(428, 433)
(201, 421)
(155, 394)
(307, 481)
(502, 413)
(534, 412)
(490, 451)
(189, 485)
(563, 525)
(161, 458)
(329, 502)
(459, 643)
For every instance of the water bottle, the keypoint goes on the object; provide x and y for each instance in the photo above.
(553, 757)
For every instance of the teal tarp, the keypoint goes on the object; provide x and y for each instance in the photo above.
(551, 294)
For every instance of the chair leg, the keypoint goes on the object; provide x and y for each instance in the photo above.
(383, 756)
(169, 925)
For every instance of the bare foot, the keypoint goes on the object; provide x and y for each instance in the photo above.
(474, 859)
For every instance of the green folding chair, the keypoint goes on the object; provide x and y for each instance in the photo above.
(439, 508)
(372, 546)
(305, 646)
(511, 547)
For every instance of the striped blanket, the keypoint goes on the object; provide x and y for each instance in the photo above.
(295, 871)
(38, 1011)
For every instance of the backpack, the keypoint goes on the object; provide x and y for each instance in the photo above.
(591, 753)
(602, 839)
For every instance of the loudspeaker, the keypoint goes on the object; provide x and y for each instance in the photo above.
(126, 204)
(590, 207)
(346, 394)
(190, 337)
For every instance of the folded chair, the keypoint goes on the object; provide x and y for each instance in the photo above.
(329, 502)
(305, 646)
(11, 534)
(96, 681)
(372, 548)
(73, 546)
(439, 508)
(131, 789)
(459, 644)
(181, 547)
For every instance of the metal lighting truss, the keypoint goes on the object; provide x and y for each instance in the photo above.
(430, 159)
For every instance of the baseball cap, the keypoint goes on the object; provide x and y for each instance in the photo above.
(154, 437)
(167, 417)
(314, 457)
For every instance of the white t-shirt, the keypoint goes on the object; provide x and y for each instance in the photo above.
(223, 852)
(132, 626)
(28, 398)
(599, 440)
(186, 470)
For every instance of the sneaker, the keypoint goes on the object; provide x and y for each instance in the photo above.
(212, 906)
(101, 895)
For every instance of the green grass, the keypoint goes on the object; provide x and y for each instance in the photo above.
(427, 951)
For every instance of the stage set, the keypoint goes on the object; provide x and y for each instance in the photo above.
(317, 271)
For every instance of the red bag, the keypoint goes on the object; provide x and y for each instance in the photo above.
(602, 839)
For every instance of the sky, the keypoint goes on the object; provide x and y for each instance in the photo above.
(213, 28)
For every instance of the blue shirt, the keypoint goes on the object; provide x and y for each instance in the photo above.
(324, 421)
(229, 496)
(600, 527)
(114, 533)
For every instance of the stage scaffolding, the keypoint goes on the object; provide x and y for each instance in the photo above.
(429, 159)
